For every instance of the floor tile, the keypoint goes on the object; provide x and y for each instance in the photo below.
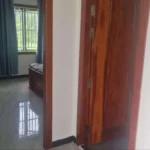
(70, 146)
(21, 116)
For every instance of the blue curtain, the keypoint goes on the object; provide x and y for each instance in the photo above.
(8, 39)
(39, 58)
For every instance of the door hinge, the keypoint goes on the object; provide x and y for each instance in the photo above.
(89, 83)
(87, 129)
(92, 33)
(93, 10)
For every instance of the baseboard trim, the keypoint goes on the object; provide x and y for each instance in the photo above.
(14, 77)
(64, 141)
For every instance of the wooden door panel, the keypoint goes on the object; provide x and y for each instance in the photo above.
(112, 50)
(118, 73)
(99, 55)
(109, 103)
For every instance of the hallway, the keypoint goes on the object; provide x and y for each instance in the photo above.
(21, 116)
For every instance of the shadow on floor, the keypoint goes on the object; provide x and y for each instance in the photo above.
(118, 144)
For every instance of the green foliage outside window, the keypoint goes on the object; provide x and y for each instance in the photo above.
(27, 29)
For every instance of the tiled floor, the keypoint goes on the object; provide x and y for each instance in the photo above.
(70, 146)
(21, 113)
(118, 144)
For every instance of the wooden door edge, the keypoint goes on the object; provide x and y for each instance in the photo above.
(143, 16)
(48, 59)
(84, 70)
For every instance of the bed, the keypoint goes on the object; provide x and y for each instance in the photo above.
(36, 80)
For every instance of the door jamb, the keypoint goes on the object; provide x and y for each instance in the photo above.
(48, 59)
(143, 16)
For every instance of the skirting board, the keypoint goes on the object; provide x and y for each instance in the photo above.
(14, 77)
(64, 141)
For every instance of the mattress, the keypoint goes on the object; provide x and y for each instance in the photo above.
(36, 66)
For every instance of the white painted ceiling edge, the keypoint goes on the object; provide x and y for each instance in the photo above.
(143, 132)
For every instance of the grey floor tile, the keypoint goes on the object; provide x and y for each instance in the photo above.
(21, 115)
(70, 146)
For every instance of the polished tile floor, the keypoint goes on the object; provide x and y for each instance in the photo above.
(70, 146)
(117, 144)
(21, 115)
(21, 119)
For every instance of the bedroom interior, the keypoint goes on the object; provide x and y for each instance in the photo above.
(21, 74)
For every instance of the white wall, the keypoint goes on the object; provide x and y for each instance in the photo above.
(24, 60)
(143, 132)
(66, 35)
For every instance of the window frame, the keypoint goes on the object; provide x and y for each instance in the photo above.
(32, 8)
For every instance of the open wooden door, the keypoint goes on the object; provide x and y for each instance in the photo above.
(104, 109)
(113, 52)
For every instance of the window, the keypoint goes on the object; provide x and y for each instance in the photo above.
(27, 28)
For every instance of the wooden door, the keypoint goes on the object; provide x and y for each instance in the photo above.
(111, 70)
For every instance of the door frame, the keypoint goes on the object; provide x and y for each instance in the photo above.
(48, 63)
(143, 15)
(140, 41)
(142, 26)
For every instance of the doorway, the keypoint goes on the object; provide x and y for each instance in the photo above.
(21, 106)
(25, 87)
(83, 118)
